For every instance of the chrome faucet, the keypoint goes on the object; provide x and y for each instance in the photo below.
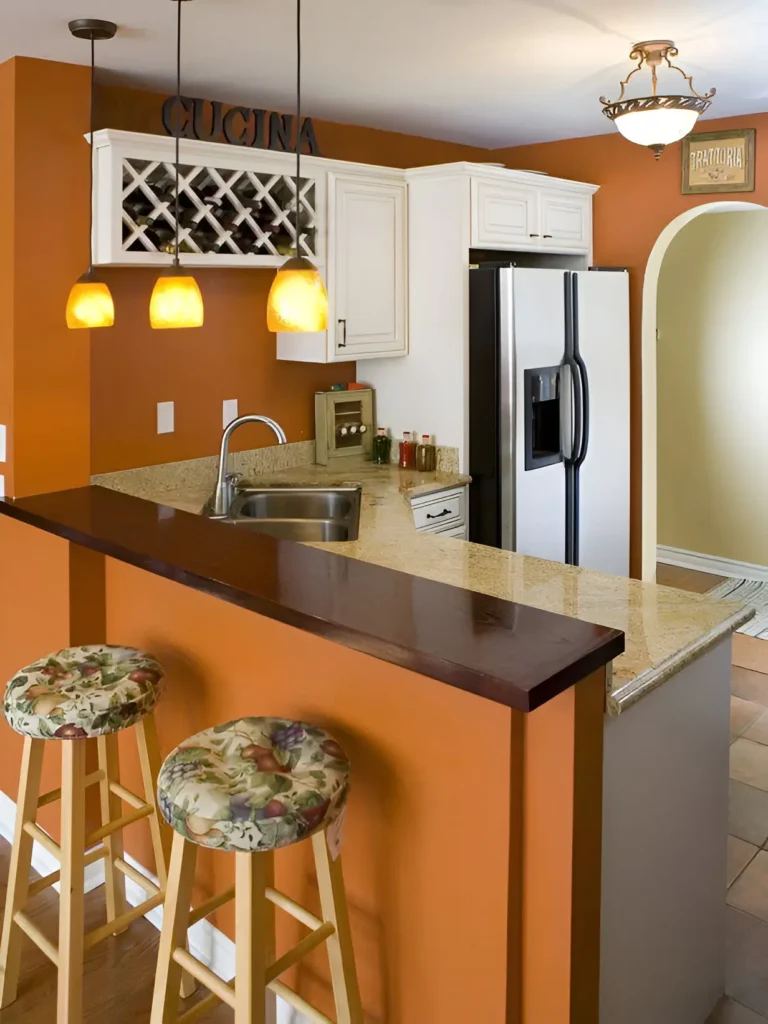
(224, 483)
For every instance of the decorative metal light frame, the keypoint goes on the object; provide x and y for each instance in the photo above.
(652, 54)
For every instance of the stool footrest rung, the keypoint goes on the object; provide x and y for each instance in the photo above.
(44, 883)
(294, 909)
(119, 823)
(205, 976)
(55, 794)
(127, 796)
(135, 876)
(33, 932)
(121, 922)
(298, 1003)
(43, 838)
(300, 950)
(199, 1009)
(204, 909)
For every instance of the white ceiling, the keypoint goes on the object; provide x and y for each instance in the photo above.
(486, 72)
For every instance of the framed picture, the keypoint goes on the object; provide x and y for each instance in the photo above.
(719, 162)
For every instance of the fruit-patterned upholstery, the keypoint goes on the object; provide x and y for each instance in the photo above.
(254, 784)
(83, 692)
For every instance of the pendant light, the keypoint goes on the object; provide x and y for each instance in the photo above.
(90, 300)
(298, 301)
(656, 121)
(176, 299)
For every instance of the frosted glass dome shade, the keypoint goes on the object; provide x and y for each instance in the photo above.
(657, 127)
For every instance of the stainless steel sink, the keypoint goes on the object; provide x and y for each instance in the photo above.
(297, 513)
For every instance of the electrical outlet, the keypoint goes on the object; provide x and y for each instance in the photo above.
(229, 411)
(165, 417)
(3, 435)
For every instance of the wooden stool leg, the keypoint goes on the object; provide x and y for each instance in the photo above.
(111, 810)
(178, 899)
(71, 918)
(269, 933)
(21, 865)
(333, 901)
(150, 760)
(251, 937)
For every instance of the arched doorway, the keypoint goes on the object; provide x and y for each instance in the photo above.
(649, 379)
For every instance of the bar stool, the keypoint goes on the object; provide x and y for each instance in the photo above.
(73, 695)
(250, 787)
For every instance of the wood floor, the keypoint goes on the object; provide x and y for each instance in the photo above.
(686, 579)
(119, 973)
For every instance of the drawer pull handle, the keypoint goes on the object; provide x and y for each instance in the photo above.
(548, 236)
(533, 236)
(445, 512)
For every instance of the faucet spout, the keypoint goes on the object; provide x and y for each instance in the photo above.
(223, 496)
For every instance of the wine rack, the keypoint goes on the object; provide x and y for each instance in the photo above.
(236, 206)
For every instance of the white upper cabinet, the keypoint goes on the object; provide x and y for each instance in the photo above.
(367, 247)
(523, 211)
(504, 216)
(566, 220)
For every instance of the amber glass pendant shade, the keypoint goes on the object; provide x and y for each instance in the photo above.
(90, 304)
(176, 301)
(298, 301)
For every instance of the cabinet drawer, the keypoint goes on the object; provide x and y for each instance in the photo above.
(446, 509)
(459, 532)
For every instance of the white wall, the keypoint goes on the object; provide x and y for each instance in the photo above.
(712, 359)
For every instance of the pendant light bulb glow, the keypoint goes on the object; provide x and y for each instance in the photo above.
(90, 302)
(176, 298)
(176, 301)
(656, 121)
(298, 300)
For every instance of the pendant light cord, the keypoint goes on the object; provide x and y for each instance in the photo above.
(93, 156)
(298, 122)
(176, 261)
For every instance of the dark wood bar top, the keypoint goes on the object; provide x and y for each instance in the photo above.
(505, 652)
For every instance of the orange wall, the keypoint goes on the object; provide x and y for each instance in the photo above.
(638, 197)
(233, 356)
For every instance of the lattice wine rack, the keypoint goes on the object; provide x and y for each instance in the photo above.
(238, 210)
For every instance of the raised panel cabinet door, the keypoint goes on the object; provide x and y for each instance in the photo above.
(566, 221)
(504, 215)
(370, 316)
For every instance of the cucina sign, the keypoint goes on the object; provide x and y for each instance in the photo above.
(209, 121)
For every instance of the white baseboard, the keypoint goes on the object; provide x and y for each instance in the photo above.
(208, 944)
(711, 564)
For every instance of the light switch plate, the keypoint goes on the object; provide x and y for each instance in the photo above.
(229, 411)
(3, 435)
(165, 417)
(2, 486)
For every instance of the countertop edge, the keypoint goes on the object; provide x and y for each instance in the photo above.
(626, 696)
(72, 516)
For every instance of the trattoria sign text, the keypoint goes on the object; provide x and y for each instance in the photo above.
(209, 121)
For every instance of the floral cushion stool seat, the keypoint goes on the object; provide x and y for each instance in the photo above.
(72, 695)
(250, 787)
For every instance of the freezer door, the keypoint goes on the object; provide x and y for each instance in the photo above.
(539, 336)
(602, 317)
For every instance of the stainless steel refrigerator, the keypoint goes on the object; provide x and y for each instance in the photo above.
(549, 414)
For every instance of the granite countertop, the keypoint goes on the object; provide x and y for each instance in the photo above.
(665, 628)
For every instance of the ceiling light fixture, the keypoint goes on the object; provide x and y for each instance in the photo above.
(176, 300)
(90, 301)
(656, 121)
(298, 301)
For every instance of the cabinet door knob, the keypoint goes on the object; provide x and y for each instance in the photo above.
(343, 344)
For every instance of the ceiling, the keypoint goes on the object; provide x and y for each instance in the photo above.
(485, 72)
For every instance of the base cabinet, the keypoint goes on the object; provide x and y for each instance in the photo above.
(443, 513)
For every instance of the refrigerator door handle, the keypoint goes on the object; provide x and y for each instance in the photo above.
(571, 411)
(581, 370)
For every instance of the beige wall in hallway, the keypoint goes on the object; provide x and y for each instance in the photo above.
(713, 388)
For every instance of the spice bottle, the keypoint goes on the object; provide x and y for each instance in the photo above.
(407, 451)
(426, 455)
(382, 447)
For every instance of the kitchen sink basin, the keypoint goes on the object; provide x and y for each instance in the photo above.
(298, 513)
